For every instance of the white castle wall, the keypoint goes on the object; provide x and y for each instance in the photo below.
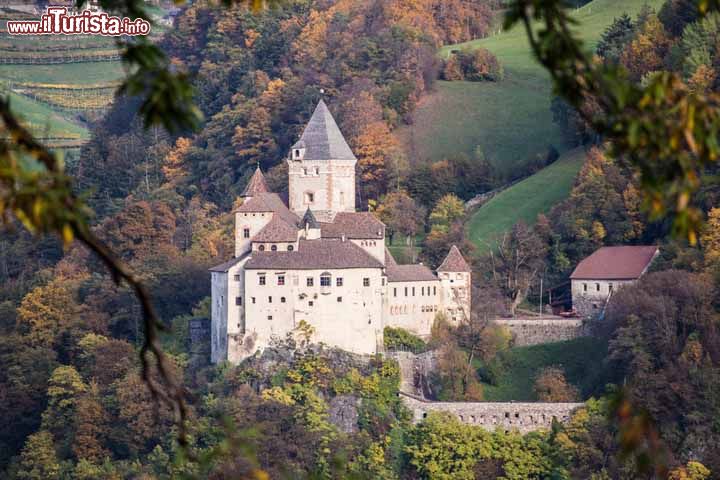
(413, 305)
(255, 222)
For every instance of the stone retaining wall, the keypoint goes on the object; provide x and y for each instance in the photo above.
(525, 417)
(548, 330)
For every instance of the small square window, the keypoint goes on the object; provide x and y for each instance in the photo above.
(261, 280)
(281, 280)
(282, 299)
(339, 281)
(246, 233)
(311, 303)
(236, 278)
(238, 300)
(310, 281)
(366, 282)
(269, 317)
(339, 299)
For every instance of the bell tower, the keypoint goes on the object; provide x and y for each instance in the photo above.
(321, 169)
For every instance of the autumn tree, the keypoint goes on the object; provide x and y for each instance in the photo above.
(401, 214)
(647, 52)
(448, 211)
(64, 390)
(711, 241)
(516, 261)
(38, 460)
(615, 38)
(551, 386)
(91, 426)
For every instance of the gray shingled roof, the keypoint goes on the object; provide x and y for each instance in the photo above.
(256, 185)
(355, 225)
(409, 273)
(454, 262)
(314, 255)
(269, 202)
(278, 230)
(309, 220)
(322, 138)
(224, 267)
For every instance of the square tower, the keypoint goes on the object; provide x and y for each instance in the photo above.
(321, 169)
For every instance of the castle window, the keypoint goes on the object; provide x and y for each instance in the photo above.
(281, 280)
(236, 278)
(246, 233)
(269, 317)
(253, 299)
(282, 299)
(261, 280)
(413, 291)
(339, 281)
(238, 300)
(366, 282)
(305, 171)
(309, 197)
(261, 248)
(597, 287)
(291, 247)
(269, 299)
(434, 290)
(383, 281)
(311, 303)
(422, 291)
(317, 170)
(310, 281)
(325, 280)
(297, 153)
(394, 292)
(584, 287)
(339, 299)
(406, 288)
(273, 248)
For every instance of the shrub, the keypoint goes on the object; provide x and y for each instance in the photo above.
(401, 339)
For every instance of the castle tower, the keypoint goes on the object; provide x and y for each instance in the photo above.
(456, 279)
(253, 214)
(321, 169)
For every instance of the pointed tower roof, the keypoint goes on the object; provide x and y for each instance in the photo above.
(256, 185)
(309, 220)
(454, 262)
(322, 139)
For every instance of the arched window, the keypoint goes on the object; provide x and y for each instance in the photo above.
(273, 248)
(325, 279)
(261, 248)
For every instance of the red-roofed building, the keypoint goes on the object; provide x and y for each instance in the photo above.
(598, 276)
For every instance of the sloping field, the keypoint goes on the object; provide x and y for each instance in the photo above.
(511, 119)
(46, 122)
(525, 200)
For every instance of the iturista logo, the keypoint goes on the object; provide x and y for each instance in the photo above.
(60, 21)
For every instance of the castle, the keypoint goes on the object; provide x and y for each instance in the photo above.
(316, 264)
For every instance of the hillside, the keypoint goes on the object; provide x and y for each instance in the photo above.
(510, 120)
(525, 200)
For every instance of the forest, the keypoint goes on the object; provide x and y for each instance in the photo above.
(78, 402)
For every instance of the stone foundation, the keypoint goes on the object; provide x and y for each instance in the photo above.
(524, 417)
(539, 331)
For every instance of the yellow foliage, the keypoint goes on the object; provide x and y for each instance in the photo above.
(279, 395)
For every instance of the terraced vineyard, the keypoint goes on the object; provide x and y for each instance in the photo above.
(56, 82)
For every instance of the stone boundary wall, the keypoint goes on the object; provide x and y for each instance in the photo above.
(524, 417)
(548, 330)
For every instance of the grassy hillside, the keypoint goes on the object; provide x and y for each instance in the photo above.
(45, 121)
(510, 119)
(579, 358)
(525, 200)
